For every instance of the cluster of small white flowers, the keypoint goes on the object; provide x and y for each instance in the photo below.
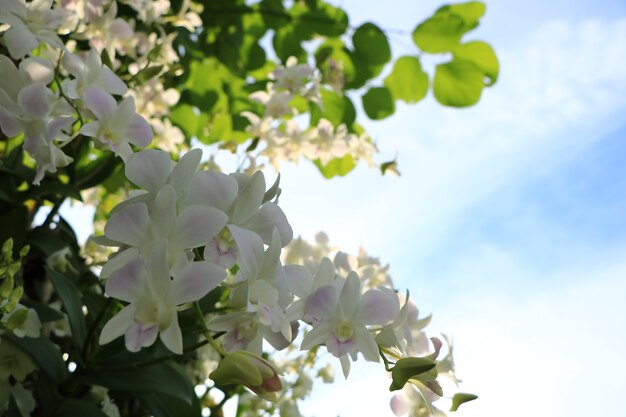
(283, 136)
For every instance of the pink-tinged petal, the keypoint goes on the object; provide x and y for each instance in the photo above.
(138, 335)
(127, 283)
(322, 304)
(117, 325)
(149, 169)
(399, 405)
(11, 80)
(195, 281)
(163, 214)
(366, 343)
(33, 99)
(249, 251)
(101, 104)
(317, 336)
(215, 254)
(183, 172)
(39, 70)
(129, 225)
(119, 260)
(172, 337)
(197, 226)
(270, 216)
(121, 29)
(123, 150)
(110, 82)
(249, 197)
(325, 273)
(378, 307)
(298, 279)
(139, 132)
(350, 295)
(124, 113)
(20, 41)
(212, 189)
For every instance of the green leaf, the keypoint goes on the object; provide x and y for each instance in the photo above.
(96, 171)
(162, 378)
(482, 55)
(51, 188)
(443, 31)
(337, 109)
(148, 73)
(14, 224)
(193, 122)
(336, 167)
(286, 43)
(378, 103)
(160, 405)
(78, 408)
(458, 83)
(408, 368)
(46, 354)
(407, 81)
(46, 314)
(69, 295)
(370, 43)
(460, 398)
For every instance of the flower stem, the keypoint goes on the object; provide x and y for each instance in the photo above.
(206, 333)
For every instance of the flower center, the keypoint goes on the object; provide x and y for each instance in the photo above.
(344, 331)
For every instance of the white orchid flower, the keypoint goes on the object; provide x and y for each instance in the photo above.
(117, 125)
(154, 297)
(89, 73)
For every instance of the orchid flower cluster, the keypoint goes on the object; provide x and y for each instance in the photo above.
(281, 132)
(82, 85)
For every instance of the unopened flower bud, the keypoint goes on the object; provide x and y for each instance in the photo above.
(250, 370)
(7, 248)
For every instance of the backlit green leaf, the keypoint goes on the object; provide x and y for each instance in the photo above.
(336, 167)
(370, 44)
(407, 82)
(482, 55)
(408, 368)
(378, 103)
(458, 83)
(460, 398)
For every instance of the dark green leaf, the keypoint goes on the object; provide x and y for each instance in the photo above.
(458, 83)
(46, 354)
(14, 224)
(162, 378)
(160, 405)
(482, 55)
(96, 171)
(336, 167)
(408, 368)
(286, 43)
(370, 43)
(460, 398)
(79, 408)
(73, 304)
(378, 103)
(407, 82)
(45, 313)
(51, 188)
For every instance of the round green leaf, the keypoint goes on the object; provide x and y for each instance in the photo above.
(407, 82)
(458, 83)
(470, 12)
(378, 103)
(287, 43)
(336, 167)
(440, 33)
(482, 55)
(370, 43)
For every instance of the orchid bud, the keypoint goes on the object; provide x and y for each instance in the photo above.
(254, 372)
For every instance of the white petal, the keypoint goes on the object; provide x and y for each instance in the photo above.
(183, 172)
(33, 99)
(117, 325)
(129, 225)
(350, 295)
(317, 336)
(163, 215)
(149, 169)
(298, 279)
(158, 270)
(345, 365)
(126, 283)
(249, 197)
(38, 69)
(268, 217)
(90, 129)
(110, 82)
(322, 304)
(139, 132)
(172, 337)
(250, 251)
(366, 343)
(197, 226)
(377, 307)
(73, 64)
(101, 104)
(195, 281)
(120, 259)
(20, 41)
(212, 189)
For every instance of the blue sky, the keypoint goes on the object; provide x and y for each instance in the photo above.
(508, 221)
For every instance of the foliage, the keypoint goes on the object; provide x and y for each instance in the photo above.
(192, 270)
